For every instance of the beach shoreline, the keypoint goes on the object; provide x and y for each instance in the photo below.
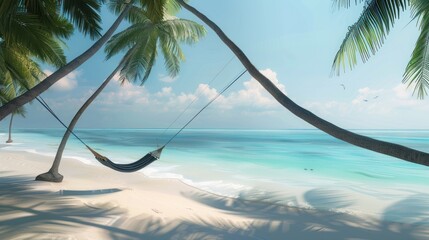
(97, 203)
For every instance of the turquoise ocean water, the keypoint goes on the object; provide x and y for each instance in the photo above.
(249, 162)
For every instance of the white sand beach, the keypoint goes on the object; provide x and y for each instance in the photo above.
(97, 203)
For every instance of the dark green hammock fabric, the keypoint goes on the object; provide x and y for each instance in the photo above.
(131, 167)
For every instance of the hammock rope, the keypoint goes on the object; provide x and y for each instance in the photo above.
(198, 95)
(205, 106)
(149, 157)
(98, 156)
(44, 104)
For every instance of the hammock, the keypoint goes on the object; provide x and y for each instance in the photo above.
(131, 167)
(148, 158)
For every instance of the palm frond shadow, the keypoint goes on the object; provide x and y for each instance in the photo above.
(327, 199)
(276, 221)
(27, 212)
(150, 227)
(257, 207)
(416, 216)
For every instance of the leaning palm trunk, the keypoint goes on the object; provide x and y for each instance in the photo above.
(391, 149)
(63, 71)
(53, 174)
(10, 129)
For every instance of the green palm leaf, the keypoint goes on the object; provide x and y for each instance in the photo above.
(367, 35)
(151, 62)
(36, 40)
(184, 30)
(127, 38)
(84, 14)
(345, 3)
(417, 71)
(172, 53)
(47, 12)
(155, 9)
(2, 60)
(172, 7)
(25, 29)
(138, 59)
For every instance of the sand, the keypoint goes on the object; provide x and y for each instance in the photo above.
(97, 203)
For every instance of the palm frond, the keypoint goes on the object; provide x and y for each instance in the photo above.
(155, 9)
(138, 59)
(417, 71)
(7, 88)
(172, 7)
(127, 38)
(184, 30)
(173, 54)
(367, 35)
(19, 74)
(116, 6)
(151, 62)
(19, 68)
(48, 13)
(345, 3)
(23, 72)
(419, 7)
(31, 35)
(85, 15)
(137, 15)
(2, 59)
(20, 111)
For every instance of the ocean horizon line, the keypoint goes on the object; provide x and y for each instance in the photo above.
(230, 129)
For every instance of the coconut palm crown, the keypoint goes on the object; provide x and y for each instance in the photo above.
(148, 33)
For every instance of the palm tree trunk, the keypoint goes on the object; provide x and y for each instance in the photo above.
(391, 149)
(63, 71)
(53, 175)
(10, 129)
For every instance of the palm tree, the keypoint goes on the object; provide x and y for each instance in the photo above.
(367, 35)
(18, 72)
(29, 95)
(141, 41)
(9, 140)
(391, 149)
(20, 111)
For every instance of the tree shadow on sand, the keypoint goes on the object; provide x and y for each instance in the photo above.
(275, 221)
(26, 213)
(282, 222)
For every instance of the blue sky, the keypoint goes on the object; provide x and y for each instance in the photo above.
(292, 42)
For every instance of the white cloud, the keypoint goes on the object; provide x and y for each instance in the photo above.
(167, 79)
(367, 94)
(166, 91)
(66, 83)
(383, 108)
(402, 92)
(252, 95)
(125, 94)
